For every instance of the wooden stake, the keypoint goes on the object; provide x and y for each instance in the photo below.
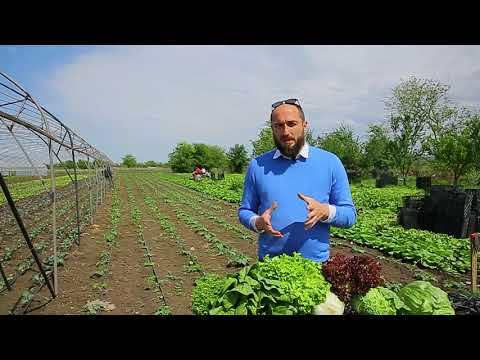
(474, 246)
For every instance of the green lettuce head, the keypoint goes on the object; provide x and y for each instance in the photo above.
(422, 298)
(378, 301)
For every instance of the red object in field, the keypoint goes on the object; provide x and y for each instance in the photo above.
(475, 240)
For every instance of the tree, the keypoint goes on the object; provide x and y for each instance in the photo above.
(129, 161)
(264, 142)
(181, 159)
(416, 107)
(151, 163)
(424, 101)
(237, 158)
(404, 147)
(343, 143)
(375, 148)
(456, 147)
(186, 156)
(215, 157)
(201, 154)
(82, 164)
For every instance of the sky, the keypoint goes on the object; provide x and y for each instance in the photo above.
(144, 100)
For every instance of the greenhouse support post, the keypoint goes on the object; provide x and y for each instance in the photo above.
(5, 280)
(17, 217)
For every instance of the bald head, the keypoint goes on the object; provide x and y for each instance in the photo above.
(291, 107)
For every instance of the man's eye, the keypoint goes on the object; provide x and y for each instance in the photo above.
(291, 124)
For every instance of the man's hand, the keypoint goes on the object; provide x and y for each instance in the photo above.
(316, 211)
(263, 222)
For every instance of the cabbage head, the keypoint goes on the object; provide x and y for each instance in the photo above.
(422, 298)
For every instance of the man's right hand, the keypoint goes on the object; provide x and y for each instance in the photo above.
(263, 222)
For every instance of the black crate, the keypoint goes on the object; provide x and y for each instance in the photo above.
(427, 221)
(385, 180)
(443, 188)
(449, 225)
(413, 202)
(424, 182)
(391, 180)
(476, 198)
(408, 218)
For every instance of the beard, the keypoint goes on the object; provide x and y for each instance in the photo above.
(289, 151)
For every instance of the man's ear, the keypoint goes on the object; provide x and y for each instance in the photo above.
(305, 125)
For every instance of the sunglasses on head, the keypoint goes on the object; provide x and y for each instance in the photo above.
(288, 101)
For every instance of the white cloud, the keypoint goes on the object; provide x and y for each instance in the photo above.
(145, 99)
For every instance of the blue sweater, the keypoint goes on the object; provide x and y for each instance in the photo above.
(321, 176)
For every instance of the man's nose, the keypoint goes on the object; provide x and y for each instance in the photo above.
(284, 130)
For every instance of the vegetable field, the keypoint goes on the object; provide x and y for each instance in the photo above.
(157, 233)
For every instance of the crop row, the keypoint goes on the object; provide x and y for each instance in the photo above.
(376, 225)
(26, 263)
(35, 232)
(152, 280)
(68, 233)
(235, 257)
(31, 188)
(110, 238)
(192, 264)
(201, 207)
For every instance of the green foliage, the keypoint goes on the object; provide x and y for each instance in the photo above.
(405, 148)
(423, 101)
(284, 285)
(82, 164)
(26, 297)
(264, 142)
(376, 225)
(185, 157)
(422, 298)
(163, 310)
(205, 293)
(129, 161)
(375, 148)
(424, 275)
(27, 189)
(181, 159)
(455, 148)
(228, 189)
(151, 163)
(214, 157)
(301, 279)
(416, 106)
(237, 158)
(343, 143)
(378, 301)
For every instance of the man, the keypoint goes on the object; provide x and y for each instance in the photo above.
(293, 194)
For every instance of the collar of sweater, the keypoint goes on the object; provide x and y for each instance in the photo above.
(303, 153)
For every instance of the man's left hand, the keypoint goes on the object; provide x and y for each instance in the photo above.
(316, 211)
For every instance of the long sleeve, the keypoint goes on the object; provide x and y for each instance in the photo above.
(250, 202)
(341, 197)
